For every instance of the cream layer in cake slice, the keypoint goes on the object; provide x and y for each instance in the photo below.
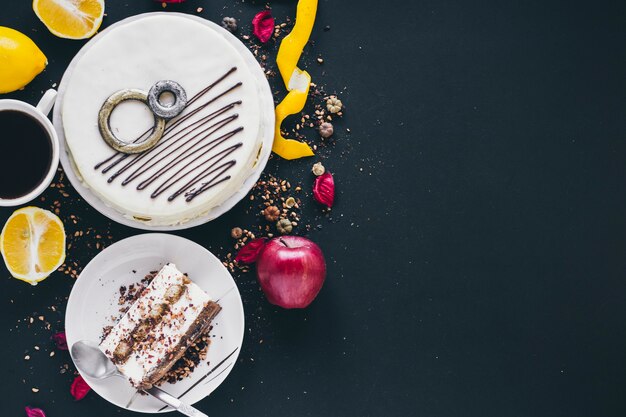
(155, 332)
(206, 153)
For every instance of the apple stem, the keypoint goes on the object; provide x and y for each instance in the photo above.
(283, 242)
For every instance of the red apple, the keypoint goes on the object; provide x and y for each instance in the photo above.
(291, 270)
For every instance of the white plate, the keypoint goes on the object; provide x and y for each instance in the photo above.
(267, 133)
(93, 301)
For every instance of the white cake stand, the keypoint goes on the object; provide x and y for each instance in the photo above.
(266, 132)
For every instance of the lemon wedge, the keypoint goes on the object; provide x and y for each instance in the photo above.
(20, 60)
(71, 19)
(32, 244)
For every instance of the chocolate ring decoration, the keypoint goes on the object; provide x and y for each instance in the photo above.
(105, 127)
(167, 111)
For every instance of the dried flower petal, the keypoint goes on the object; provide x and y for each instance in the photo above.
(324, 189)
(250, 252)
(236, 233)
(60, 340)
(263, 24)
(79, 388)
(34, 412)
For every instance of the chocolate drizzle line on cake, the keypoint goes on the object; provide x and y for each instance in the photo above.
(192, 167)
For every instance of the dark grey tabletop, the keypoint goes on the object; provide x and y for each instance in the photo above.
(476, 253)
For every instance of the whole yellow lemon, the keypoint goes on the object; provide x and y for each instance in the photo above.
(20, 60)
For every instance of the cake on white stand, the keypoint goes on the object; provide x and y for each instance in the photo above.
(210, 156)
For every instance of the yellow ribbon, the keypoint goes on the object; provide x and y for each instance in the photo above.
(297, 81)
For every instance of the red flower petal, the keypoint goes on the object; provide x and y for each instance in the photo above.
(324, 189)
(79, 388)
(34, 412)
(250, 252)
(60, 340)
(263, 24)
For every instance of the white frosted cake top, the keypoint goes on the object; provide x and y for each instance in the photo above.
(164, 335)
(207, 152)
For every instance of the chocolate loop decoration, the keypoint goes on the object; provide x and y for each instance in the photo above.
(105, 127)
(165, 111)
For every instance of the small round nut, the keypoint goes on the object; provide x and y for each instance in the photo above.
(326, 130)
(271, 213)
(229, 23)
(318, 169)
(333, 104)
(284, 226)
(236, 233)
(290, 202)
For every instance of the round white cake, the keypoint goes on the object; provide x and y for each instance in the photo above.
(205, 154)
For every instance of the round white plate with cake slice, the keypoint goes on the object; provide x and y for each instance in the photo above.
(210, 155)
(93, 305)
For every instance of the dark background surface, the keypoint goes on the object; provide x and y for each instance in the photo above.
(477, 250)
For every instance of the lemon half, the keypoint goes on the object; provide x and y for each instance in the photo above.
(70, 19)
(32, 244)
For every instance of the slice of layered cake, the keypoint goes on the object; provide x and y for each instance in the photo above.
(169, 315)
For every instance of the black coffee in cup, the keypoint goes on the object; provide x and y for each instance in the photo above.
(25, 153)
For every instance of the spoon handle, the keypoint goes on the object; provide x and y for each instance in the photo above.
(175, 403)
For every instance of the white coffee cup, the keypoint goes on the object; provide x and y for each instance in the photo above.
(39, 113)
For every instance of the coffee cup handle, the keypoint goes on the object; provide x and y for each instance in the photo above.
(47, 101)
